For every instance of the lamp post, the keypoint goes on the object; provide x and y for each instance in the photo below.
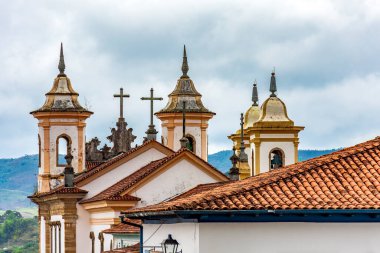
(169, 245)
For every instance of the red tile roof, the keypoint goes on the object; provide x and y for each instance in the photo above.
(117, 189)
(60, 190)
(113, 160)
(346, 179)
(122, 228)
(92, 164)
(130, 249)
(198, 189)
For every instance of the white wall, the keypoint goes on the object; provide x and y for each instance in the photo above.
(42, 235)
(187, 234)
(288, 237)
(83, 230)
(177, 179)
(103, 182)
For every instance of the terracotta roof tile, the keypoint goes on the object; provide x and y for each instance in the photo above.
(122, 228)
(92, 164)
(117, 189)
(346, 179)
(60, 190)
(130, 249)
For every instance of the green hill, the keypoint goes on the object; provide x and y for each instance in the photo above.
(18, 179)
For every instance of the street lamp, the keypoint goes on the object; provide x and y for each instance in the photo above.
(169, 245)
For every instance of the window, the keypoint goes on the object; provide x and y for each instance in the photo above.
(191, 143)
(276, 158)
(63, 148)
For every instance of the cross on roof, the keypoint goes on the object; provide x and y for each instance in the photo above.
(121, 95)
(151, 132)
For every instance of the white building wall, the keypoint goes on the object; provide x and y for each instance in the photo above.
(187, 234)
(124, 170)
(285, 237)
(42, 235)
(177, 179)
(83, 230)
(266, 147)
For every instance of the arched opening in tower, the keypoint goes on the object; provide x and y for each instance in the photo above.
(276, 158)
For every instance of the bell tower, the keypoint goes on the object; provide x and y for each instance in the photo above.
(268, 136)
(197, 116)
(61, 131)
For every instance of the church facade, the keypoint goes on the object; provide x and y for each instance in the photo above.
(81, 196)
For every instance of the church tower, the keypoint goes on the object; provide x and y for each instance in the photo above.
(197, 116)
(270, 137)
(61, 131)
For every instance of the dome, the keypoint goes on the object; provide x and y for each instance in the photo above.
(274, 113)
(251, 116)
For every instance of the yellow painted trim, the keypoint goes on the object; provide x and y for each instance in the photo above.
(276, 139)
(104, 221)
(81, 156)
(171, 137)
(204, 143)
(106, 205)
(296, 151)
(66, 115)
(257, 158)
(46, 168)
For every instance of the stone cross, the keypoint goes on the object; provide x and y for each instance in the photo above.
(121, 95)
(151, 98)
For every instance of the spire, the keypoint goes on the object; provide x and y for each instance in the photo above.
(185, 66)
(273, 86)
(255, 95)
(243, 156)
(61, 65)
(234, 171)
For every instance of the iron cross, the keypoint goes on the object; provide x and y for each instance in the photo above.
(151, 98)
(121, 96)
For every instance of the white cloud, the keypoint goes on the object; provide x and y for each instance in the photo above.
(325, 53)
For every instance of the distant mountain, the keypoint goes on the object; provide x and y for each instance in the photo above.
(221, 159)
(18, 177)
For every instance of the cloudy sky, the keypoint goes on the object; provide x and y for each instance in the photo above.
(326, 55)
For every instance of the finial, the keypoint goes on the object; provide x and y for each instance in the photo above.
(185, 66)
(273, 86)
(255, 95)
(234, 171)
(61, 65)
(243, 157)
(68, 172)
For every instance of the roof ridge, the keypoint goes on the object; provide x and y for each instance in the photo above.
(113, 160)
